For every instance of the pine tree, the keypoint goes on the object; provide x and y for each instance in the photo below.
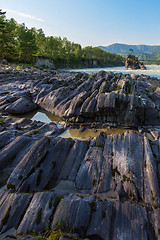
(27, 43)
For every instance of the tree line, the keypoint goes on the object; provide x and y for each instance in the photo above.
(18, 43)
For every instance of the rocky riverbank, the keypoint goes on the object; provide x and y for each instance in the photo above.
(105, 97)
(104, 187)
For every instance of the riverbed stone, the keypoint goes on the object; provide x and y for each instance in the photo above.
(69, 213)
(39, 213)
(10, 151)
(21, 106)
(12, 210)
(29, 163)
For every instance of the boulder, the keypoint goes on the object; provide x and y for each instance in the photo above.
(21, 106)
(4, 61)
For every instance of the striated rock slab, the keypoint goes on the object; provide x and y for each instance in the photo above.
(28, 164)
(111, 98)
(69, 213)
(40, 213)
(10, 151)
(116, 99)
(131, 222)
(102, 188)
(12, 209)
(119, 173)
(124, 163)
(21, 106)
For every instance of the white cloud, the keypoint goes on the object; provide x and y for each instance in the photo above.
(24, 15)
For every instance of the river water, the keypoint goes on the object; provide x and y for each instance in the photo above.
(152, 70)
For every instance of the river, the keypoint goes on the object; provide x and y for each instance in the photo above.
(152, 70)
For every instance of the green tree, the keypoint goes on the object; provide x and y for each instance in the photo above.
(11, 43)
(27, 43)
(40, 42)
(8, 43)
(18, 43)
(131, 50)
(2, 32)
(2, 21)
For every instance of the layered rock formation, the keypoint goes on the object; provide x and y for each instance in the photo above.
(96, 188)
(106, 97)
(45, 62)
(116, 99)
(132, 63)
(88, 183)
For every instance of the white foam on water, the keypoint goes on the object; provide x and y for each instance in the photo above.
(152, 70)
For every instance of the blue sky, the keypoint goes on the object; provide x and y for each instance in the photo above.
(91, 22)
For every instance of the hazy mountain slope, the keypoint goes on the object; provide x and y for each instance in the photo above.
(123, 49)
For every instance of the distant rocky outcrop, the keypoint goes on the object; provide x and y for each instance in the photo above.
(45, 62)
(4, 61)
(132, 62)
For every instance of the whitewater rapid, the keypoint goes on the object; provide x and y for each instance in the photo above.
(152, 70)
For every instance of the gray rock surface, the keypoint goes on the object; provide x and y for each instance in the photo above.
(115, 99)
(12, 209)
(21, 106)
(104, 187)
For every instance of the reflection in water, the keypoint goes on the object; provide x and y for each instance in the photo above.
(40, 115)
(75, 133)
(46, 117)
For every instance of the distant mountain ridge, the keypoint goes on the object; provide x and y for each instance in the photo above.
(144, 52)
(124, 48)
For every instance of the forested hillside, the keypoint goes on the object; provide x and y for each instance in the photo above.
(21, 44)
(147, 53)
